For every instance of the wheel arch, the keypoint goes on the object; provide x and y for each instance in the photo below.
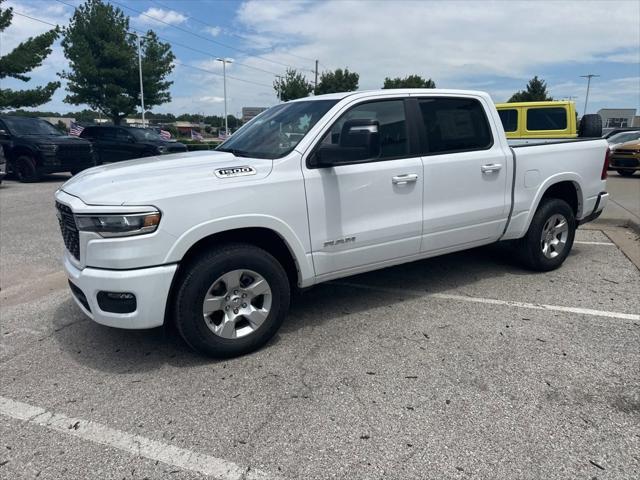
(566, 186)
(264, 232)
(18, 150)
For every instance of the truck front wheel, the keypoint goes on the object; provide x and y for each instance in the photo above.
(26, 169)
(550, 236)
(231, 301)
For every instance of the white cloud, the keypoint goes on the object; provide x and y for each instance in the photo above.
(446, 40)
(211, 99)
(213, 31)
(159, 17)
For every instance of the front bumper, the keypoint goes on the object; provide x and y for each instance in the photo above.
(601, 203)
(625, 162)
(151, 287)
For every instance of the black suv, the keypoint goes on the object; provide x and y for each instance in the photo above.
(113, 144)
(34, 147)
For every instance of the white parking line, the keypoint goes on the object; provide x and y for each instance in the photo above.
(608, 244)
(133, 444)
(492, 301)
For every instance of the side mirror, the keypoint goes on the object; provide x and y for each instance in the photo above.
(359, 140)
(3, 134)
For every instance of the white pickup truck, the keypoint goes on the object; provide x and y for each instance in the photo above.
(312, 190)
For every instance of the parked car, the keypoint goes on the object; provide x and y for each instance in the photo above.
(3, 164)
(114, 143)
(216, 241)
(34, 147)
(609, 132)
(625, 159)
(551, 119)
(622, 137)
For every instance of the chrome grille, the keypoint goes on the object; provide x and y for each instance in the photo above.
(68, 229)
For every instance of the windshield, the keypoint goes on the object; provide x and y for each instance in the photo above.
(145, 134)
(30, 126)
(276, 132)
(623, 137)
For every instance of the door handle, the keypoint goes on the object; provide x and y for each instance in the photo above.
(404, 179)
(491, 168)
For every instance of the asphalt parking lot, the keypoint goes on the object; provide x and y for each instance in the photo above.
(463, 366)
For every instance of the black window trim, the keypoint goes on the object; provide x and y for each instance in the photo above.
(423, 134)
(517, 118)
(411, 130)
(566, 119)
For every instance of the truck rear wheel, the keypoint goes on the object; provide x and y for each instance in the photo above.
(550, 236)
(26, 169)
(231, 301)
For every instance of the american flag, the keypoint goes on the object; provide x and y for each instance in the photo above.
(165, 134)
(75, 129)
(196, 136)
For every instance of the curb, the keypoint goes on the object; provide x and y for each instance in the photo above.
(618, 222)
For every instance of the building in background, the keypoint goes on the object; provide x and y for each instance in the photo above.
(249, 112)
(617, 117)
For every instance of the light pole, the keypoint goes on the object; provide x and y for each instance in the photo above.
(279, 77)
(586, 100)
(224, 80)
(140, 75)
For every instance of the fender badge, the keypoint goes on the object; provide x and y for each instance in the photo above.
(230, 172)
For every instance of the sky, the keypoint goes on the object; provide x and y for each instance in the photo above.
(495, 46)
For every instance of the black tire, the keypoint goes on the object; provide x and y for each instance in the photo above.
(590, 126)
(530, 247)
(26, 170)
(626, 173)
(197, 279)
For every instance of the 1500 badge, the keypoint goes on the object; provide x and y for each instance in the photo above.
(230, 172)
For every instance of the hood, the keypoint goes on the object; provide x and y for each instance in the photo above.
(632, 145)
(145, 180)
(54, 140)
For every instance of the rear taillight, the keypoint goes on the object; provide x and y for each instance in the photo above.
(605, 167)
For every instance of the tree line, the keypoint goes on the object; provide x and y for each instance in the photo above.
(103, 74)
(294, 84)
(103, 60)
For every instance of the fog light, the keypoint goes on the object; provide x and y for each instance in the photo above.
(117, 302)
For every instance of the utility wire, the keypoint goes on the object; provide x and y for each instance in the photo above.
(185, 30)
(220, 74)
(36, 19)
(225, 31)
(175, 61)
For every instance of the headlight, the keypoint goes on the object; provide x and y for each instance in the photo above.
(48, 148)
(110, 225)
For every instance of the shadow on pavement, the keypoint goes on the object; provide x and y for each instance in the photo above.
(126, 351)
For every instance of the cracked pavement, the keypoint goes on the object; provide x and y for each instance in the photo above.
(362, 381)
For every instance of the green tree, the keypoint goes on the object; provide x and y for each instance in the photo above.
(536, 91)
(21, 60)
(293, 85)
(104, 62)
(411, 81)
(337, 81)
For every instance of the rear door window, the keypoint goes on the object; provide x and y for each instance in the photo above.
(454, 125)
(509, 119)
(554, 118)
(108, 133)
